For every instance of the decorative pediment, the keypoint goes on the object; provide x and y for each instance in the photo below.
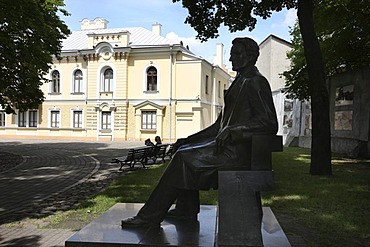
(148, 103)
(105, 107)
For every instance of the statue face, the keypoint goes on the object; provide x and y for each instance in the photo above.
(238, 57)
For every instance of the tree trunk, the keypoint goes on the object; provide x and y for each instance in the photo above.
(321, 139)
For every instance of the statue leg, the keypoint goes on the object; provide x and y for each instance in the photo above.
(188, 201)
(156, 207)
(187, 205)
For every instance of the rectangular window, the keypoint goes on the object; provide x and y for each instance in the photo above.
(32, 118)
(77, 119)
(54, 121)
(2, 119)
(207, 84)
(149, 120)
(22, 119)
(106, 120)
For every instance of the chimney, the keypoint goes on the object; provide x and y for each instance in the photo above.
(157, 28)
(218, 59)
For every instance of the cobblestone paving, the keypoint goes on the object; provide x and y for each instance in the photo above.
(41, 177)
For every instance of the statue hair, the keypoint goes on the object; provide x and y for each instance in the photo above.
(251, 47)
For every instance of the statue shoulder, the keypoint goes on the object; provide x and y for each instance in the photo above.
(256, 82)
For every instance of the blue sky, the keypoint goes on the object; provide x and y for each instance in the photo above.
(143, 13)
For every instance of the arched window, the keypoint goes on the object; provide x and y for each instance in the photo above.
(55, 82)
(107, 80)
(151, 81)
(77, 81)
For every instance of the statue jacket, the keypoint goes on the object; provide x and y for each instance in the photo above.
(248, 109)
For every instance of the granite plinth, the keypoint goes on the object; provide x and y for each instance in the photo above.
(107, 231)
(240, 208)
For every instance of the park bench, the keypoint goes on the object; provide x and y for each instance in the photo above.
(143, 155)
(239, 200)
(133, 156)
(160, 152)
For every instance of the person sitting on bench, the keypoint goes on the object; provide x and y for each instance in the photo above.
(148, 142)
(248, 110)
(158, 140)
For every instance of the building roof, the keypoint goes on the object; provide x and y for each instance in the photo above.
(272, 36)
(139, 36)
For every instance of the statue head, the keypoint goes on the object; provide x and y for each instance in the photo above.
(244, 53)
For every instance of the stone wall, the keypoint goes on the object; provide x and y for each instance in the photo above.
(350, 112)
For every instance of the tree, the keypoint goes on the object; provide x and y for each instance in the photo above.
(206, 16)
(30, 34)
(342, 28)
(296, 78)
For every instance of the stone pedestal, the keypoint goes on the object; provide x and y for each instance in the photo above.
(107, 231)
(240, 210)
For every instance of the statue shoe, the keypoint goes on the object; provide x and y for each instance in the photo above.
(136, 222)
(176, 214)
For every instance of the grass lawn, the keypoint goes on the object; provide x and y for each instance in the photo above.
(325, 211)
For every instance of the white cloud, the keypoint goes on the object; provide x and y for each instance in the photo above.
(290, 17)
(194, 44)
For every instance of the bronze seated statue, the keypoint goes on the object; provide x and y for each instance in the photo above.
(248, 110)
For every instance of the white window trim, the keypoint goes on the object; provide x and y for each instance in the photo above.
(111, 122)
(59, 118)
(72, 118)
(27, 118)
(17, 120)
(156, 120)
(51, 81)
(145, 79)
(100, 78)
(82, 83)
(4, 119)
(37, 118)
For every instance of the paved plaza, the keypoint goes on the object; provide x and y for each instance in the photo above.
(42, 177)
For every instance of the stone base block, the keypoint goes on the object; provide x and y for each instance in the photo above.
(107, 231)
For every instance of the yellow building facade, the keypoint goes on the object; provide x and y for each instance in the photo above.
(123, 84)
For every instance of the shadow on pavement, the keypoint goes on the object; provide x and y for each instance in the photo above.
(26, 241)
(54, 176)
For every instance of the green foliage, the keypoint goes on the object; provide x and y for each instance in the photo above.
(206, 16)
(30, 33)
(296, 78)
(342, 28)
